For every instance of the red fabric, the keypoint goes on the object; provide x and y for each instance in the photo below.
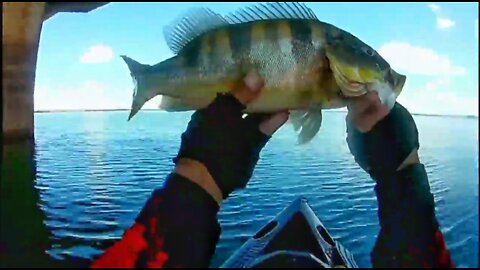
(170, 231)
(443, 255)
(438, 251)
(125, 253)
(140, 246)
(143, 245)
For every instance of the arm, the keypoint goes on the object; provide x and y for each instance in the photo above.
(385, 144)
(176, 228)
(410, 235)
(178, 225)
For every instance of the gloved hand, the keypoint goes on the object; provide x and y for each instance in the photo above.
(381, 141)
(227, 144)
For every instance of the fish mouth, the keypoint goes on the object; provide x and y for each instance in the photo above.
(355, 81)
(349, 87)
(346, 76)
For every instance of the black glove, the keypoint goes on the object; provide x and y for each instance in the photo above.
(383, 149)
(227, 144)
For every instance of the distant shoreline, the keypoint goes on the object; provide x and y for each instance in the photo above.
(127, 110)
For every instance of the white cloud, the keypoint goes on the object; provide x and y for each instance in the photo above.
(443, 22)
(90, 95)
(407, 58)
(438, 97)
(434, 7)
(97, 54)
(435, 97)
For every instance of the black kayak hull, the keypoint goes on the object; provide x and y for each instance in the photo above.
(294, 238)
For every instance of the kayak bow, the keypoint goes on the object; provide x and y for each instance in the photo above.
(295, 238)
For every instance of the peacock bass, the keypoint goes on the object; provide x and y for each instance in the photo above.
(308, 65)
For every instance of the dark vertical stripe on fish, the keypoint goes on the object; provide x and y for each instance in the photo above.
(240, 39)
(272, 34)
(191, 53)
(209, 44)
(301, 40)
(221, 47)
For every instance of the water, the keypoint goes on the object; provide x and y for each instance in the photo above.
(94, 172)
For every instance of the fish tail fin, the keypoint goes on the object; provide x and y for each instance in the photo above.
(139, 99)
(134, 66)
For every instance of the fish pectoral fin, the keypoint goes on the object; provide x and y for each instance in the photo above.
(306, 124)
(172, 104)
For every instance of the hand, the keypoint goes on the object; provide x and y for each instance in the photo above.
(381, 141)
(365, 111)
(220, 148)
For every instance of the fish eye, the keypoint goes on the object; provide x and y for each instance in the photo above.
(369, 52)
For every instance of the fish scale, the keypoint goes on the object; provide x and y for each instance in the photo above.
(307, 65)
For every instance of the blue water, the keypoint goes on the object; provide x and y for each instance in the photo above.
(95, 171)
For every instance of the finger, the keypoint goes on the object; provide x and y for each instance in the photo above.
(374, 106)
(366, 121)
(273, 123)
(249, 88)
(254, 120)
(253, 80)
(359, 104)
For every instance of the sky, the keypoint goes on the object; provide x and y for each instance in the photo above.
(434, 44)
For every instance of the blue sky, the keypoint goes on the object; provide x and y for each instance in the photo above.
(434, 44)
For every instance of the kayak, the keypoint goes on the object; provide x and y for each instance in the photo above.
(295, 238)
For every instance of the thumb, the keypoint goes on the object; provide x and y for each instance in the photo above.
(273, 123)
(249, 88)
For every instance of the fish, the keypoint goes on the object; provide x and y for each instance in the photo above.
(308, 65)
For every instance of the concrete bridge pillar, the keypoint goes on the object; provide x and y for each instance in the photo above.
(22, 24)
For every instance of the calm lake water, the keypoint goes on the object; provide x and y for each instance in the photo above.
(95, 170)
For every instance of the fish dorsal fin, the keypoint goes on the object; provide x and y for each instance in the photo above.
(190, 25)
(269, 11)
(197, 21)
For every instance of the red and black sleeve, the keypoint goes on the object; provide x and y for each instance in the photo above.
(409, 231)
(177, 227)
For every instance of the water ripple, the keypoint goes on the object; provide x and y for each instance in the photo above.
(94, 177)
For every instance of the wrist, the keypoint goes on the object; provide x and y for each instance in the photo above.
(391, 145)
(179, 202)
(412, 159)
(198, 174)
